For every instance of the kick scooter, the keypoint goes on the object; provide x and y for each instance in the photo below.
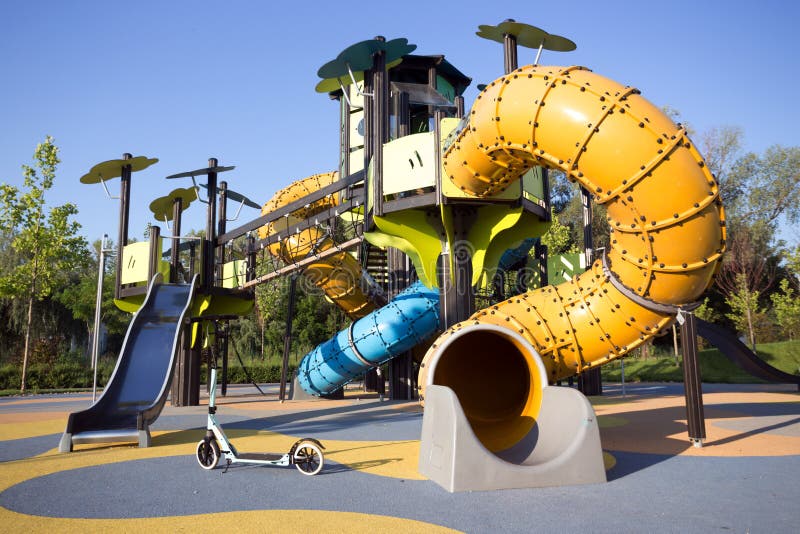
(305, 454)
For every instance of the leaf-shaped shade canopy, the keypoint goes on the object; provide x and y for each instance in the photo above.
(162, 207)
(358, 57)
(526, 35)
(113, 169)
(237, 197)
(330, 85)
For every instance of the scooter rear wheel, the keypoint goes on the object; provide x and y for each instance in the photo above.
(308, 458)
(207, 454)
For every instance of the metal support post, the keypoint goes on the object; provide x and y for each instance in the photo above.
(509, 51)
(174, 258)
(590, 382)
(222, 225)
(463, 218)
(400, 375)
(155, 252)
(380, 123)
(251, 258)
(692, 381)
(98, 305)
(124, 211)
(287, 339)
(211, 217)
(223, 349)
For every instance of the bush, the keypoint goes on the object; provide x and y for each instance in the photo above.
(260, 374)
(61, 375)
(74, 375)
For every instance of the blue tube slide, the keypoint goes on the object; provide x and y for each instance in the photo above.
(410, 318)
(513, 256)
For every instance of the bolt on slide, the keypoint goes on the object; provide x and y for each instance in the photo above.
(667, 225)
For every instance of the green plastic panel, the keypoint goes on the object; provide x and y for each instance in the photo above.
(445, 88)
(234, 274)
(410, 232)
(501, 229)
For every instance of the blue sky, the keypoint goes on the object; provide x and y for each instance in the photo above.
(186, 80)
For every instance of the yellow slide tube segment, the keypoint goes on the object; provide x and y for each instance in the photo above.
(663, 209)
(338, 275)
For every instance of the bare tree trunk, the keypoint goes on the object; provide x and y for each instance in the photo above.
(645, 350)
(751, 330)
(27, 349)
(675, 341)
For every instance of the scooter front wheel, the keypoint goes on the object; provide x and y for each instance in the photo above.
(308, 458)
(207, 454)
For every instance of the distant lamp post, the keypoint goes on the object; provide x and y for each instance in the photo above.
(101, 269)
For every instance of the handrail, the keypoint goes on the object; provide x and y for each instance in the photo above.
(289, 208)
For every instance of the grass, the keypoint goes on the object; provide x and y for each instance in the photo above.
(714, 366)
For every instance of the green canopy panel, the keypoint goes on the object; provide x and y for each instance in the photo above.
(162, 207)
(113, 169)
(526, 35)
(358, 57)
(331, 85)
(237, 197)
(201, 172)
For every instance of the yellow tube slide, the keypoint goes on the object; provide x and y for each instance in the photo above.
(667, 238)
(339, 275)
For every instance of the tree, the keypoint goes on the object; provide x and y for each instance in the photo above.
(762, 189)
(786, 306)
(558, 237)
(743, 301)
(79, 296)
(45, 242)
(747, 272)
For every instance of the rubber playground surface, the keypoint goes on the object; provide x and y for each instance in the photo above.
(745, 479)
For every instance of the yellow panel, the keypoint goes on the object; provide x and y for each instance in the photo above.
(356, 160)
(135, 263)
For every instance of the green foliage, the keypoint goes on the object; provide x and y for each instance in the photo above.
(786, 307)
(46, 247)
(706, 312)
(558, 238)
(46, 244)
(62, 375)
(743, 302)
(260, 373)
(714, 366)
(80, 295)
(767, 186)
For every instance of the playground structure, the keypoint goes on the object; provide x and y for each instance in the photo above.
(432, 209)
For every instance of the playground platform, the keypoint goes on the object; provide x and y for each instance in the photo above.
(745, 478)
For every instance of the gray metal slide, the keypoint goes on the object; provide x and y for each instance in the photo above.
(138, 388)
(741, 355)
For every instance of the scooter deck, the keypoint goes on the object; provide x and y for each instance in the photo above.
(260, 457)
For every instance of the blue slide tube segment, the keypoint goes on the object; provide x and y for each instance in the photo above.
(410, 318)
(513, 256)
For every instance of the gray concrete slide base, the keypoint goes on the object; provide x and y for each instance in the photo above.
(65, 445)
(142, 437)
(562, 449)
(298, 393)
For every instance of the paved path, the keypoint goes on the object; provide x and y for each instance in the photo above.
(744, 480)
